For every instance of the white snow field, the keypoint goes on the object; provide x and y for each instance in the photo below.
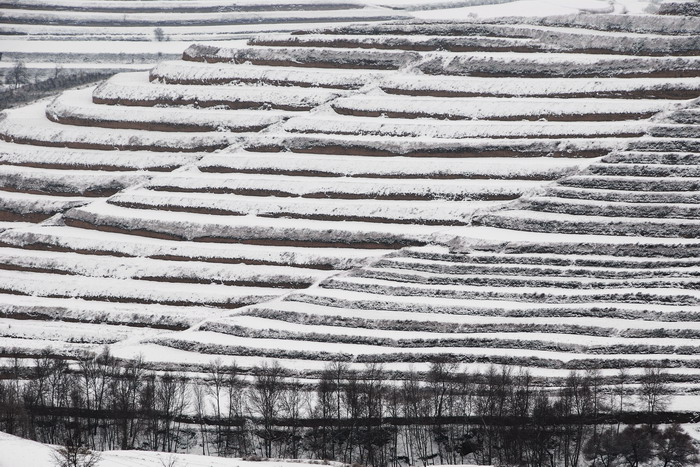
(19, 451)
(509, 191)
(135, 34)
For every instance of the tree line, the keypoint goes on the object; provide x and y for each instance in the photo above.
(24, 88)
(447, 415)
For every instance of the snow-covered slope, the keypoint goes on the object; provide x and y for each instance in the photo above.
(229, 191)
(18, 451)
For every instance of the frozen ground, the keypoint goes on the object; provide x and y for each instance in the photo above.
(291, 239)
(16, 452)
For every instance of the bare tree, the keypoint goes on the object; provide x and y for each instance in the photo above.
(635, 446)
(654, 390)
(57, 70)
(675, 448)
(18, 75)
(170, 461)
(291, 404)
(200, 406)
(159, 35)
(74, 455)
(265, 400)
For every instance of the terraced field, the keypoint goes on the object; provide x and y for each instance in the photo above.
(276, 200)
(179, 20)
(65, 43)
(57, 37)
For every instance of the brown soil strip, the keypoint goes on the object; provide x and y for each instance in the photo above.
(686, 73)
(291, 63)
(238, 283)
(229, 104)
(13, 267)
(272, 82)
(109, 147)
(221, 21)
(332, 195)
(646, 53)
(439, 45)
(99, 193)
(397, 244)
(112, 298)
(549, 136)
(571, 117)
(11, 216)
(227, 191)
(411, 196)
(83, 166)
(36, 316)
(166, 279)
(379, 220)
(149, 126)
(41, 246)
(282, 215)
(374, 152)
(317, 173)
(317, 266)
(673, 94)
(176, 208)
(262, 7)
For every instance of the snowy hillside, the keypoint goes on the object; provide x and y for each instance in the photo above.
(57, 36)
(495, 190)
(17, 451)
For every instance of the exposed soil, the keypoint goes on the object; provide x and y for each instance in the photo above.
(563, 117)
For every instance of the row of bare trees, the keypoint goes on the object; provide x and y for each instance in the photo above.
(365, 416)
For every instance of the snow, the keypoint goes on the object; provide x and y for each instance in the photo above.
(189, 248)
(571, 219)
(180, 4)
(175, 18)
(144, 268)
(197, 72)
(76, 159)
(416, 316)
(17, 451)
(78, 105)
(553, 293)
(69, 65)
(524, 86)
(24, 203)
(418, 212)
(121, 244)
(337, 189)
(479, 235)
(500, 108)
(192, 226)
(517, 8)
(29, 125)
(184, 34)
(328, 123)
(72, 182)
(401, 302)
(104, 47)
(99, 334)
(385, 145)
(229, 344)
(135, 89)
(132, 291)
(408, 168)
(290, 329)
(90, 311)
